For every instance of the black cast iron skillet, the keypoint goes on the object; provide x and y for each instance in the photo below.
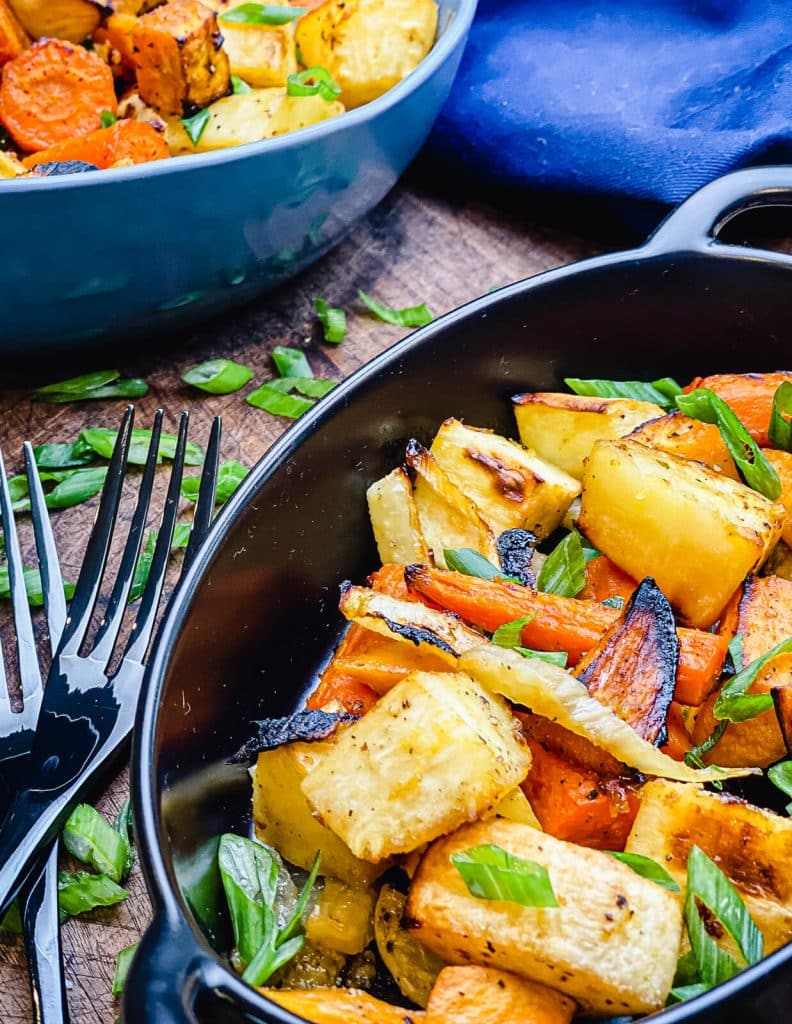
(257, 614)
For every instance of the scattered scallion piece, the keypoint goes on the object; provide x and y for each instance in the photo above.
(195, 125)
(333, 321)
(35, 593)
(492, 873)
(313, 82)
(143, 567)
(63, 456)
(218, 376)
(89, 838)
(229, 476)
(99, 384)
(660, 392)
(510, 633)
(261, 14)
(564, 569)
(734, 703)
(781, 776)
(102, 440)
(646, 868)
(780, 430)
(72, 487)
(311, 387)
(123, 963)
(11, 922)
(80, 891)
(122, 823)
(108, 118)
(703, 404)
(411, 316)
(238, 86)
(278, 403)
(694, 758)
(471, 563)
(682, 993)
(291, 362)
(560, 658)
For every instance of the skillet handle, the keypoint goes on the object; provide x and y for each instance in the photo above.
(695, 224)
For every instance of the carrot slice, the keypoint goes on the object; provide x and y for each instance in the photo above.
(678, 742)
(562, 623)
(750, 395)
(472, 995)
(53, 91)
(604, 580)
(125, 142)
(13, 38)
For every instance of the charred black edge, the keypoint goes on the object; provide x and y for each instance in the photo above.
(304, 726)
(783, 695)
(418, 635)
(516, 550)
(56, 168)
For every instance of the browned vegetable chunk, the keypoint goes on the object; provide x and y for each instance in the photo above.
(13, 38)
(681, 435)
(472, 995)
(341, 1006)
(633, 668)
(782, 699)
(181, 66)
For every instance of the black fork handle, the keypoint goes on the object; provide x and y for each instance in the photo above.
(41, 926)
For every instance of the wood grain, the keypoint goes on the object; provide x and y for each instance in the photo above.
(413, 248)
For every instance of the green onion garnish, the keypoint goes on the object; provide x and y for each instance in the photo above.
(218, 376)
(195, 125)
(291, 362)
(660, 392)
(89, 838)
(102, 441)
(261, 14)
(79, 891)
(229, 476)
(313, 82)
(781, 776)
(333, 321)
(471, 563)
(510, 633)
(108, 118)
(99, 384)
(646, 868)
(564, 569)
(734, 703)
(411, 316)
(780, 431)
(492, 873)
(123, 963)
(238, 86)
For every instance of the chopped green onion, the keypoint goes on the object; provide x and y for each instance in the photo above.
(708, 885)
(33, 588)
(614, 602)
(122, 823)
(195, 125)
(89, 838)
(735, 651)
(261, 14)
(12, 921)
(73, 487)
(63, 456)
(780, 430)
(313, 82)
(560, 658)
(238, 86)
(101, 384)
(79, 891)
(646, 868)
(123, 963)
(143, 567)
(333, 321)
(108, 118)
(291, 362)
(218, 376)
(682, 993)
(492, 873)
(694, 756)
(734, 703)
(471, 563)
(411, 316)
(781, 776)
(660, 392)
(703, 404)
(311, 387)
(229, 476)
(510, 633)
(279, 404)
(102, 440)
(564, 569)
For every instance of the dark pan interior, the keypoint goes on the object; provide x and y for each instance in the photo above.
(264, 616)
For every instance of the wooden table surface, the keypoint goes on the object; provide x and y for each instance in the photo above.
(413, 248)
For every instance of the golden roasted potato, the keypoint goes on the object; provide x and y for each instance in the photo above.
(691, 439)
(696, 532)
(448, 518)
(510, 486)
(261, 55)
(564, 428)
(341, 1006)
(390, 783)
(58, 19)
(341, 918)
(782, 463)
(394, 519)
(283, 818)
(367, 45)
(413, 966)
(611, 944)
(517, 807)
(751, 846)
(475, 995)
(11, 166)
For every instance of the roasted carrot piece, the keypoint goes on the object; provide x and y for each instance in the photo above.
(118, 34)
(341, 1006)
(750, 395)
(53, 91)
(689, 439)
(633, 668)
(473, 995)
(13, 38)
(678, 742)
(562, 623)
(782, 463)
(390, 580)
(604, 580)
(350, 694)
(125, 142)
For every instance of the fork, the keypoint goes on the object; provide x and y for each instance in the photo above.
(39, 903)
(87, 712)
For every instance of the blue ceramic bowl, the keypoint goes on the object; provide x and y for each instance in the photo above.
(141, 250)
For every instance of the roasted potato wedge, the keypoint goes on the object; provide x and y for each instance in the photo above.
(691, 439)
(473, 995)
(697, 533)
(341, 918)
(283, 818)
(611, 944)
(413, 966)
(782, 463)
(751, 846)
(394, 520)
(261, 55)
(390, 784)
(510, 486)
(74, 20)
(448, 517)
(341, 1006)
(367, 45)
(564, 428)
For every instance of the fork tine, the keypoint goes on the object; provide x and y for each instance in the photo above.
(51, 578)
(204, 508)
(93, 566)
(116, 605)
(29, 672)
(147, 615)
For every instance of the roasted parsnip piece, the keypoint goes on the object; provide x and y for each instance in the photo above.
(751, 846)
(696, 532)
(341, 1006)
(448, 517)
(611, 944)
(261, 55)
(564, 428)
(473, 995)
(394, 519)
(634, 667)
(691, 439)
(391, 784)
(510, 486)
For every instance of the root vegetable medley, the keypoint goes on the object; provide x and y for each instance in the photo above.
(513, 766)
(87, 85)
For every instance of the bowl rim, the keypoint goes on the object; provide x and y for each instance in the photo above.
(457, 28)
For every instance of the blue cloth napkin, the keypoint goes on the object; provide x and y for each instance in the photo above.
(626, 99)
